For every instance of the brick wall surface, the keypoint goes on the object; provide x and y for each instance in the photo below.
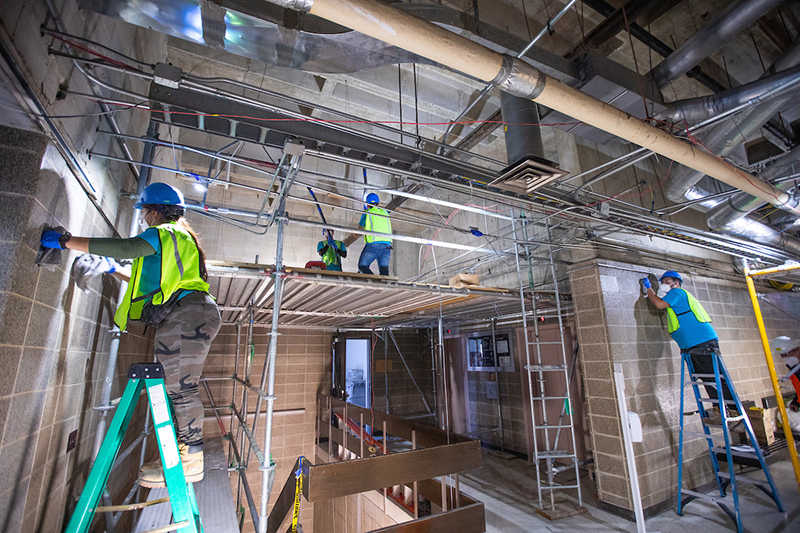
(617, 325)
(303, 370)
(54, 341)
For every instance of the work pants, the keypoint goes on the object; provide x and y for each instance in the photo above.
(382, 251)
(182, 343)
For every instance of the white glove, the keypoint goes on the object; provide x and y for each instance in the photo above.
(88, 266)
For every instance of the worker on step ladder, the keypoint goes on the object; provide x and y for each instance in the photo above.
(690, 327)
(167, 290)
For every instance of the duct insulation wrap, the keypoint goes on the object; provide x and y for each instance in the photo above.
(522, 133)
(763, 234)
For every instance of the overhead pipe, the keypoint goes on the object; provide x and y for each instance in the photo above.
(695, 109)
(741, 203)
(518, 78)
(724, 138)
(731, 22)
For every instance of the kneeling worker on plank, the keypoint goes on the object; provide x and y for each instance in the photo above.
(331, 251)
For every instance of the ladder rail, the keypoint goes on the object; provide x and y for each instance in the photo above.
(186, 515)
(527, 353)
(729, 478)
(537, 393)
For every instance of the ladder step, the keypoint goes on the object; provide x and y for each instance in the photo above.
(749, 455)
(130, 506)
(559, 487)
(703, 383)
(721, 377)
(703, 435)
(545, 368)
(712, 400)
(745, 479)
(551, 397)
(546, 342)
(554, 453)
(713, 499)
(548, 426)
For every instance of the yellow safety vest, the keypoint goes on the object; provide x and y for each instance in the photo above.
(377, 220)
(180, 270)
(694, 307)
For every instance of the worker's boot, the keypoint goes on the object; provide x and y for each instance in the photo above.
(193, 468)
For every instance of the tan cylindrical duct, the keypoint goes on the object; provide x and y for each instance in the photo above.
(405, 31)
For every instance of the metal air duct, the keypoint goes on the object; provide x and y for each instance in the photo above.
(516, 77)
(697, 109)
(732, 21)
(741, 204)
(724, 138)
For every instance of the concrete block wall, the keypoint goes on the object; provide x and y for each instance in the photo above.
(404, 399)
(617, 325)
(303, 370)
(54, 340)
(368, 511)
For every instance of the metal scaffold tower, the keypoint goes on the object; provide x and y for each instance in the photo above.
(550, 451)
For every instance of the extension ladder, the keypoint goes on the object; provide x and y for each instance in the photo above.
(553, 450)
(728, 505)
(185, 514)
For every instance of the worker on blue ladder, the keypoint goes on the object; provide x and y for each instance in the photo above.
(375, 219)
(167, 290)
(690, 326)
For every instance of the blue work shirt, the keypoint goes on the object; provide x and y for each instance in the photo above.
(691, 331)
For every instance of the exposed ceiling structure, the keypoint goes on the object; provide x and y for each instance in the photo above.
(709, 84)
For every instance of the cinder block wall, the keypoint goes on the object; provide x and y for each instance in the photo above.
(303, 370)
(54, 341)
(404, 399)
(617, 325)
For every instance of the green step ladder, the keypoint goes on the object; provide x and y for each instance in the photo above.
(185, 514)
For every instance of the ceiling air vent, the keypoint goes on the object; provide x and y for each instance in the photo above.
(528, 175)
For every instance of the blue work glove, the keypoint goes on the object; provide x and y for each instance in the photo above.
(50, 239)
(109, 265)
(646, 283)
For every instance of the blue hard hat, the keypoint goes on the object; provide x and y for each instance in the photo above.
(671, 274)
(160, 194)
(373, 198)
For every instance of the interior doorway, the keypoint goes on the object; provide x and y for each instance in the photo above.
(357, 372)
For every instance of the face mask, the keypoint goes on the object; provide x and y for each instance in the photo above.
(143, 225)
(663, 289)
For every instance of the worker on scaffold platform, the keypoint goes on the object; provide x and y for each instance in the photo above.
(375, 219)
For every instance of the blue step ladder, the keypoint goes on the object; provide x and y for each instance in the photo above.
(185, 514)
(724, 479)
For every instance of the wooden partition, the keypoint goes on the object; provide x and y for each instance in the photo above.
(357, 463)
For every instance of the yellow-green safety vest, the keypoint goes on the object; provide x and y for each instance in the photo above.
(694, 307)
(377, 220)
(180, 270)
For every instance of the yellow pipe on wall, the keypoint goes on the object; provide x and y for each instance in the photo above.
(774, 270)
(773, 377)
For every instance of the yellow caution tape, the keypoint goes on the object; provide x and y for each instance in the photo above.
(298, 489)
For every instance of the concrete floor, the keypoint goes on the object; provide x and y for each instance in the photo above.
(508, 491)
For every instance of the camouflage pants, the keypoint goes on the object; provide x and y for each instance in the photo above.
(182, 343)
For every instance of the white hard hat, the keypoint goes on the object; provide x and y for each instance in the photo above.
(783, 344)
